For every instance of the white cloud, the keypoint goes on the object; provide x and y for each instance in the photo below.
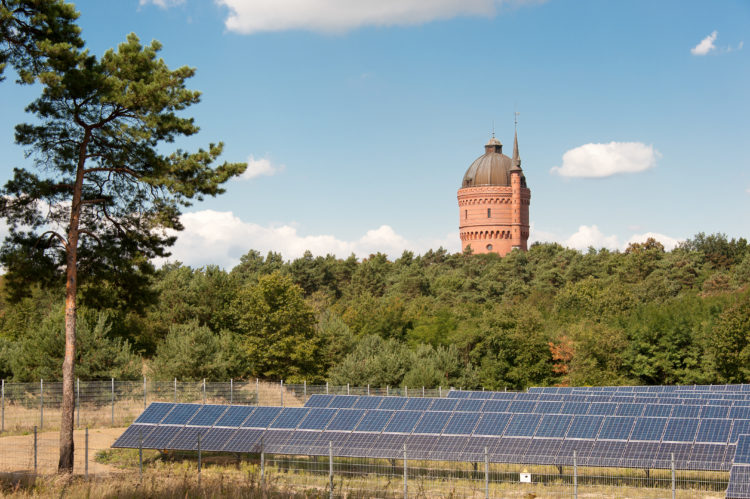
(164, 4)
(604, 160)
(587, 236)
(706, 45)
(669, 243)
(332, 16)
(221, 238)
(590, 235)
(260, 166)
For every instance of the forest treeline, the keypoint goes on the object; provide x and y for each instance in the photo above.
(548, 316)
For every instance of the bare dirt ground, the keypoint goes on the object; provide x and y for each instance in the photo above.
(17, 454)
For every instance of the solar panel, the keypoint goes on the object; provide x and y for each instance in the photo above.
(337, 440)
(708, 457)
(492, 423)
(290, 418)
(496, 406)
(616, 428)
(574, 408)
(742, 454)
(343, 401)
(739, 482)
(357, 444)
(187, 439)
(553, 426)
(581, 447)
(469, 405)
(317, 419)
(681, 451)
(449, 448)
(505, 395)
(261, 417)
(444, 404)
(522, 406)
(216, 438)
(648, 429)
(345, 420)
(418, 404)
(739, 412)
(154, 413)
(319, 400)
(420, 446)
(374, 421)
(388, 445)
(606, 453)
(244, 440)
(585, 427)
(681, 430)
(273, 441)
(658, 410)
(368, 402)
(713, 431)
(686, 411)
(739, 427)
(715, 411)
(432, 422)
(640, 454)
(602, 408)
(207, 415)
(473, 449)
(181, 414)
(509, 450)
(522, 425)
(392, 403)
(403, 422)
(133, 435)
(160, 437)
(542, 451)
(300, 442)
(234, 416)
(547, 407)
(629, 409)
(458, 394)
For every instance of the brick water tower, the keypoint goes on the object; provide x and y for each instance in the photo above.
(493, 202)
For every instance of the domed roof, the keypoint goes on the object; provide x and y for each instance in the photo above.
(492, 168)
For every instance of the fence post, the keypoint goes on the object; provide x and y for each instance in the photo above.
(304, 391)
(35, 450)
(486, 474)
(326, 387)
(257, 392)
(140, 454)
(575, 474)
(281, 391)
(78, 402)
(330, 469)
(144, 392)
(113, 401)
(406, 391)
(204, 391)
(231, 391)
(2, 411)
(386, 390)
(674, 491)
(262, 465)
(406, 486)
(86, 454)
(41, 406)
(440, 390)
(175, 390)
(368, 389)
(199, 459)
(347, 388)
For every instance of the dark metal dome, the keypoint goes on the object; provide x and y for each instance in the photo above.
(492, 168)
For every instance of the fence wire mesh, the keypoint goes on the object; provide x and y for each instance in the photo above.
(29, 450)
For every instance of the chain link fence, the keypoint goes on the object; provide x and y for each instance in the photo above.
(29, 450)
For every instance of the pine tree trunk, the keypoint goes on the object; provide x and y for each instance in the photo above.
(65, 465)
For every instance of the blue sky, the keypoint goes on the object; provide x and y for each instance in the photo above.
(359, 118)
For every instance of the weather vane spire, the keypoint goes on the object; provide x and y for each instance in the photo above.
(515, 121)
(493, 129)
